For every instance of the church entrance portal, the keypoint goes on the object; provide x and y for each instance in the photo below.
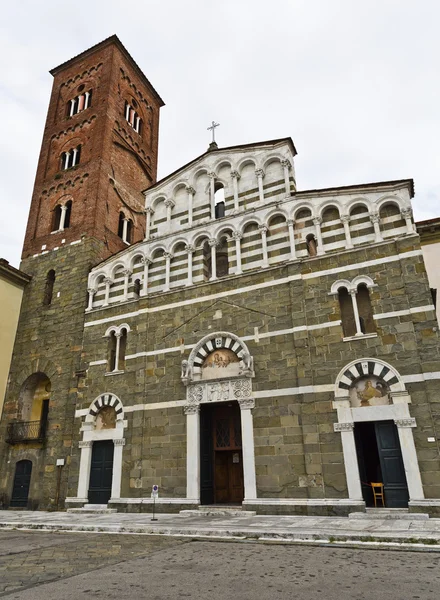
(101, 472)
(221, 460)
(380, 461)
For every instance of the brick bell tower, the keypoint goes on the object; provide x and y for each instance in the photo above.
(99, 151)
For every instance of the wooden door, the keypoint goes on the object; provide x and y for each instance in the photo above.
(393, 471)
(22, 480)
(228, 462)
(101, 472)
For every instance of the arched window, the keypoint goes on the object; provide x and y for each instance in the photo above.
(219, 200)
(121, 225)
(116, 350)
(125, 228)
(365, 309)
(347, 312)
(132, 117)
(48, 288)
(80, 102)
(129, 236)
(312, 247)
(137, 287)
(67, 215)
(222, 260)
(71, 158)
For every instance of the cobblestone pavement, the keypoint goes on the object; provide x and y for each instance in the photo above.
(49, 566)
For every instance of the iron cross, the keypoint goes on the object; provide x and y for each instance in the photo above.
(212, 128)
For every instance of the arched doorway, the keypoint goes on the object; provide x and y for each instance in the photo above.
(22, 480)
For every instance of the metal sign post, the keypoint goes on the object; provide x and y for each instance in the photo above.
(154, 495)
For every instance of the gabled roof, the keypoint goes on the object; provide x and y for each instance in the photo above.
(112, 40)
(288, 140)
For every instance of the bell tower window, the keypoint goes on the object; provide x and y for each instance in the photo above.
(125, 228)
(80, 102)
(48, 288)
(71, 158)
(132, 117)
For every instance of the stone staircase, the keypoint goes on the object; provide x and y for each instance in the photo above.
(93, 509)
(389, 514)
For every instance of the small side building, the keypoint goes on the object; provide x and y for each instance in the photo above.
(12, 283)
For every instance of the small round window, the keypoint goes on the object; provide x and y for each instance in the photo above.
(81, 87)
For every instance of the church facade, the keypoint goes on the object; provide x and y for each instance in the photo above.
(218, 333)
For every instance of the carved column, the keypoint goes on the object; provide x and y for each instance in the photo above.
(248, 450)
(346, 222)
(92, 292)
(350, 460)
(263, 230)
(66, 160)
(375, 219)
(124, 229)
(62, 217)
(407, 215)
(193, 452)
(409, 457)
(356, 312)
(149, 212)
(236, 235)
(213, 244)
(118, 335)
(290, 225)
(108, 282)
(168, 256)
(235, 177)
(212, 177)
(146, 262)
(317, 222)
(191, 191)
(126, 274)
(286, 167)
(170, 205)
(117, 468)
(190, 249)
(260, 174)
(84, 469)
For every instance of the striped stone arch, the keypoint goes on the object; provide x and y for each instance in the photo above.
(216, 341)
(107, 400)
(367, 366)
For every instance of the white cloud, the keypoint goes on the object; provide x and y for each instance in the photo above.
(354, 84)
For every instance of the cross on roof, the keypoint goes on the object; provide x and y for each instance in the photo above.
(212, 128)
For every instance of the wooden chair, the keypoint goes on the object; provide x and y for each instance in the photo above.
(378, 493)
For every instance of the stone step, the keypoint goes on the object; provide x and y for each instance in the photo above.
(219, 511)
(389, 514)
(93, 509)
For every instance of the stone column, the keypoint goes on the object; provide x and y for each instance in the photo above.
(235, 177)
(118, 335)
(62, 217)
(346, 222)
(191, 191)
(92, 292)
(193, 452)
(350, 460)
(66, 160)
(317, 222)
(375, 219)
(149, 212)
(212, 177)
(72, 107)
(108, 283)
(126, 274)
(86, 100)
(168, 256)
(409, 456)
(170, 205)
(286, 167)
(356, 312)
(84, 469)
(260, 174)
(75, 153)
(248, 450)
(263, 230)
(407, 215)
(124, 229)
(290, 224)
(146, 262)
(117, 468)
(190, 249)
(213, 244)
(237, 235)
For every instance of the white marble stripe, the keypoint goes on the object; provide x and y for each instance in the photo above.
(408, 311)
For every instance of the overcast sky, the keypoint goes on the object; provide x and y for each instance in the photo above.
(355, 84)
